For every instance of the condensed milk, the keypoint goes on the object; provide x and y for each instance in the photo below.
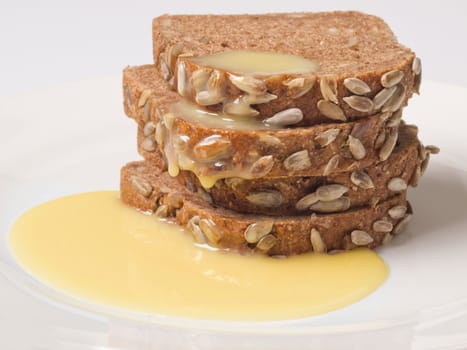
(93, 247)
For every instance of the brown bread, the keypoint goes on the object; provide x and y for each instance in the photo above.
(346, 45)
(148, 189)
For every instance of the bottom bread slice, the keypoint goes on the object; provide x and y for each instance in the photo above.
(151, 190)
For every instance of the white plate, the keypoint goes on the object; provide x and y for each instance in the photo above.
(75, 137)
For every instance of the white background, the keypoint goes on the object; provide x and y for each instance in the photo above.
(43, 43)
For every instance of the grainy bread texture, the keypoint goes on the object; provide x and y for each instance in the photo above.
(350, 48)
(316, 160)
(297, 195)
(149, 189)
(305, 151)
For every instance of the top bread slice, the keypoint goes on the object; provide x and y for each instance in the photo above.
(362, 67)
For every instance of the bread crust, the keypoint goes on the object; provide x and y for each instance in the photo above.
(292, 234)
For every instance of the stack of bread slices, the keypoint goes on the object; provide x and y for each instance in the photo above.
(279, 133)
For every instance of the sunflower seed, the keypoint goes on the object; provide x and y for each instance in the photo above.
(328, 88)
(269, 140)
(395, 102)
(295, 83)
(148, 144)
(306, 202)
(424, 164)
(391, 78)
(147, 111)
(389, 144)
(359, 103)
(239, 106)
(382, 97)
(199, 79)
(380, 139)
(361, 179)
(360, 238)
(128, 97)
(387, 238)
(286, 117)
(216, 83)
(329, 193)
(417, 173)
(162, 211)
(169, 119)
(297, 161)
(300, 86)
(327, 137)
(317, 241)
(266, 199)
(397, 184)
(166, 73)
(417, 66)
(356, 86)
(266, 243)
(262, 166)
(172, 53)
(411, 129)
(397, 212)
(432, 149)
(149, 128)
(257, 230)
(193, 228)
(417, 83)
(258, 99)
(395, 119)
(248, 84)
(382, 226)
(421, 151)
(205, 98)
(210, 230)
(143, 98)
(331, 110)
(141, 185)
(182, 83)
(332, 165)
(212, 148)
(180, 142)
(356, 148)
(159, 134)
(337, 205)
(401, 225)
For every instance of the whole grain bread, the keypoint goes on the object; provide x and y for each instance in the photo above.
(361, 62)
(149, 189)
(306, 151)
(296, 195)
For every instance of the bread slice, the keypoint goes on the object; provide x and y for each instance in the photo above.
(316, 151)
(295, 195)
(362, 67)
(148, 189)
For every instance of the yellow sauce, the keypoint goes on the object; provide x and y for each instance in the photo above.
(258, 63)
(92, 246)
